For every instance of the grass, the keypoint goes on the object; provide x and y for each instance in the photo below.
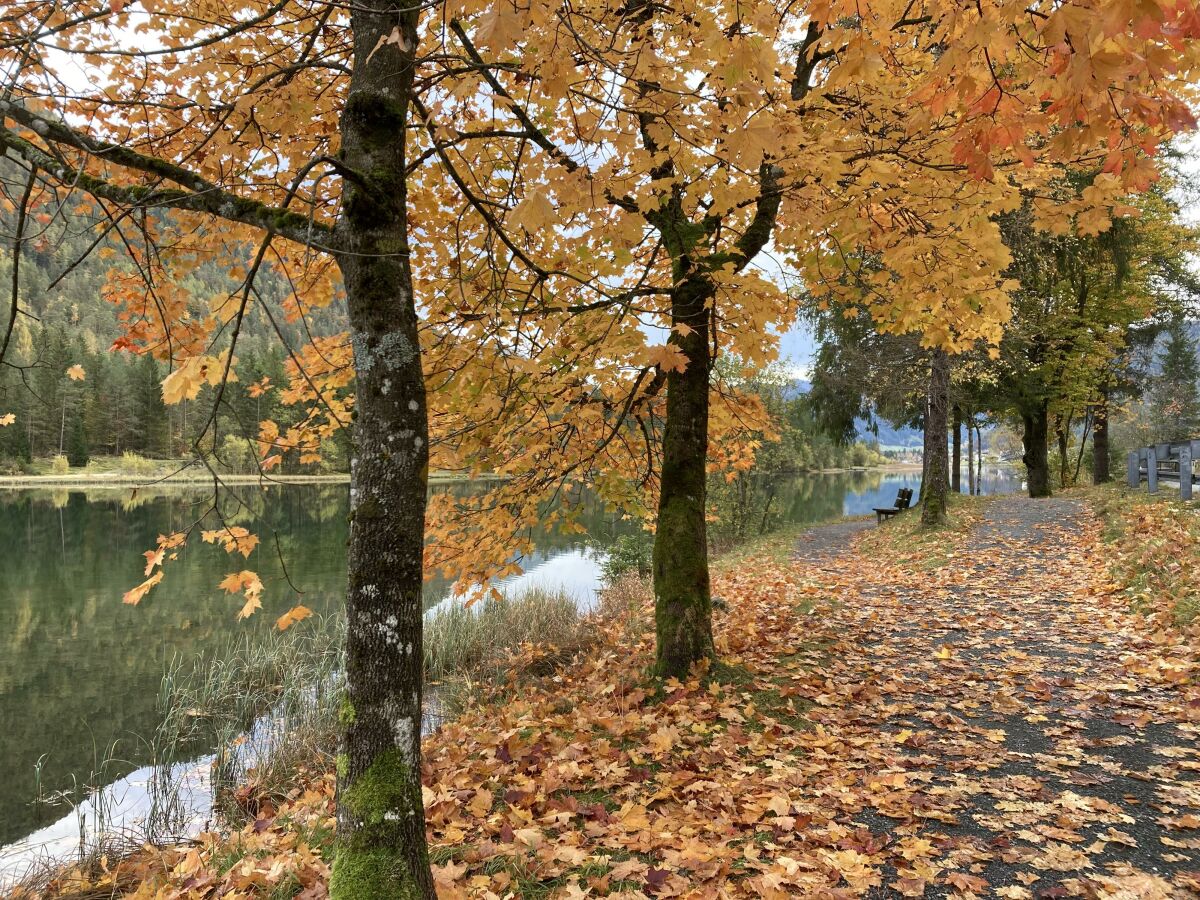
(268, 701)
(478, 640)
(472, 652)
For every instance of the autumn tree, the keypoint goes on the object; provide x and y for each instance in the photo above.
(872, 149)
(554, 216)
(1078, 297)
(229, 126)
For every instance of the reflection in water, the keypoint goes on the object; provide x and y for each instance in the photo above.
(80, 672)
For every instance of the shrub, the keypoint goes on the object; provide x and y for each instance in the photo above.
(236, 455)
(629, 553)
(136, 464)
(59, 465)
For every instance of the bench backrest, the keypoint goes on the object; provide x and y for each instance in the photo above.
(904, 498)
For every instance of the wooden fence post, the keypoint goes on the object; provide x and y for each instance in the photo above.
(1152, 469)
(1185, 472)
(1133, 471)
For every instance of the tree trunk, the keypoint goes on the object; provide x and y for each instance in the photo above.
(956, 456)
(1100, 442)
(1036, 459)
(1089, 421)
(978, 460)
(970, 458)
(682, 602)
(936, 485)
(1062, 431)
(381, 849)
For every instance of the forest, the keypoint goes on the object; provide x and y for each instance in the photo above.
(549, 249)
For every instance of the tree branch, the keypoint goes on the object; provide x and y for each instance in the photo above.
(199, 196)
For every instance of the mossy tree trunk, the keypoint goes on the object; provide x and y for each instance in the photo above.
(682, 599)
(1034, 436)
(381, 849)
(1100, 473)
(935, 486)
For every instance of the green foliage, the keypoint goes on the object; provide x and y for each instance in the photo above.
(629, 553)
(77, 448)
(1174, 405)
(236, 455)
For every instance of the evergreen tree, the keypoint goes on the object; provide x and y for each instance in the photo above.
(1174, 405)
(77, 447)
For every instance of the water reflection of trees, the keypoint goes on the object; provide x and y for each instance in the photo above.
(79, 670)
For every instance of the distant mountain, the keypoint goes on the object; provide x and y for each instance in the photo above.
(887, 436)
(890, 438)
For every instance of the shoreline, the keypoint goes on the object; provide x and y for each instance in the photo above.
(125, 480)
(131, 480)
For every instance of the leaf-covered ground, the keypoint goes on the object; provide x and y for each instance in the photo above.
(979, 714)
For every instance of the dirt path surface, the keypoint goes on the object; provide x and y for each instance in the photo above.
(1016, 732)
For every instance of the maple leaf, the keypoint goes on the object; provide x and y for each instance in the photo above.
(292, 616)
(668, 357)
(76, 373)
(7, 419)
(135, 595)
(233, 538)
(153, 558)
(536, 211)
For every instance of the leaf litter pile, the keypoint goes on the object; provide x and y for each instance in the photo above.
(991, 720)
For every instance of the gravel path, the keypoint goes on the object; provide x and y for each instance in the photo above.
(1015, 717)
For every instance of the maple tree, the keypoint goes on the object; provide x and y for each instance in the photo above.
(234, 114)
(872, 148)
(518, 201)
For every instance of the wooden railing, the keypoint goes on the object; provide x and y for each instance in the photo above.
(1170, 461)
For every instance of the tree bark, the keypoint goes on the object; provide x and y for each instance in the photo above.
(936, 485)
(1036, 458)
(381, 850)
(1100, 473)
(682, 598)
(956, 457)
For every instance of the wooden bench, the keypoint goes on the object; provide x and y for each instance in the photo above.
(903, 502)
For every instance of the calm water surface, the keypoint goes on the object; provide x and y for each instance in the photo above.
(80, 671)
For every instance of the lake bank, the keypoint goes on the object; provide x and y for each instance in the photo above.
(749, 780)
(108, 472)
(80, 670)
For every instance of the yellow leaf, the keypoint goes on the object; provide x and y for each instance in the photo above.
(7, 419)
(253, 602)
(535, 212)
(76, 373)
(134, 597)
(292, 616)
(667, 357)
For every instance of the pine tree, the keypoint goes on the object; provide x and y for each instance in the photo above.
(1175, 407)
(77, 447)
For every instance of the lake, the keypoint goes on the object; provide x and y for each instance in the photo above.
(80, 672)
